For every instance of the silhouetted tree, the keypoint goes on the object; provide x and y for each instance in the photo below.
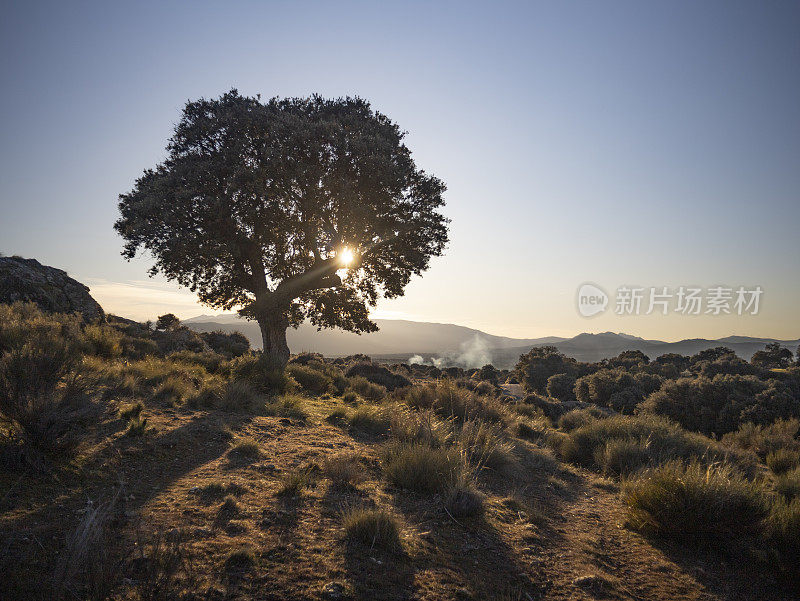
(167, 322)
(774, 355)
(260, 204)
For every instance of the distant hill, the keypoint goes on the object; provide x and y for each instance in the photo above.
(400, 340)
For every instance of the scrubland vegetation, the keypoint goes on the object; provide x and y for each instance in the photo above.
(152, 462)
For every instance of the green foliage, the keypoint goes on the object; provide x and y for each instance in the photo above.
(449, 400)
(268, 156)
(763, 440)
(561, 387)
(536, 366)
(227, 344)
(773, 356)
(696, 503)
(167, 322)
(613, 388)
(370, 419)
(259, 374)
(312, 380)
(378, 374)
(372, 527)
(579, 417)
(721, 404)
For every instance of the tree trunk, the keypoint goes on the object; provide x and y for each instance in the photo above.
(273, 326)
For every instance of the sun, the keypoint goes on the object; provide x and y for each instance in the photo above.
(346, 256)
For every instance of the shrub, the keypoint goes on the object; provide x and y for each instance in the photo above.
(622, 456)
(783, 533)
(607, 385)
(721, 404)
(449, 400)
(378, 374)
(372, 527)
(368, 390)
(137, 427)
(551, 409)
(311, 380)
(174, 389)
(210, 361)
(422, 427)
(294, 481)
(247, 449)
(662, 439)
(371, 420)
(421, 468)
(239, 395)
(286, 406)
(535, 367)
(788, 483)
(463, 500)
(694, 503)
(103, 341)
(561, 387)
(350, 398)
(763, 440)
(483, 444)
(241, 560)
(344, 469)
(131, 411)
(579, 417)
(228, 344)
(783, 460)
(263, 379)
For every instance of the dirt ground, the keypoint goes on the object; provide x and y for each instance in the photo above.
(550, 531)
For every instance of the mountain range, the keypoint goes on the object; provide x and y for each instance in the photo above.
(401, 340)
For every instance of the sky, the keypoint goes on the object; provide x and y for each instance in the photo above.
(626, 144)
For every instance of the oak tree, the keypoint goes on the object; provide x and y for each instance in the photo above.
(289, 209)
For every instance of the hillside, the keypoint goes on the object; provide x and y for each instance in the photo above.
(399, 340)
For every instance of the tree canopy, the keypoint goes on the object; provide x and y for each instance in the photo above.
(260, 205)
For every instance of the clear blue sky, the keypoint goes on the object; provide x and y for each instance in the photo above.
(613, 142)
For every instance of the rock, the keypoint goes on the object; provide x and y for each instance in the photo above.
(50, 288)
(333, 591)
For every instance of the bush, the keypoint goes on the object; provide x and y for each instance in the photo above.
(294, 481)
(622, 456)
(372, 527)
(233, 344)
(449, 400)
(579, 417)
(783, 460)
(662, 440)
(788, 484)
(535, 367)
(763, 440)
(422, 468)
(344, 469)
(137, 427)
(378, 374)
(263, 379)
(310, 379)
(103, 341)
(131, 411)
(371, 420)
(614, 388)
(368, 390)
(721, 404)
(783, 533)
(484, 444)
(245, 450)
(463, 500)
(694, 503)
(561, 387)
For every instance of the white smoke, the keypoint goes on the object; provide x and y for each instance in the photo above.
(473, 353)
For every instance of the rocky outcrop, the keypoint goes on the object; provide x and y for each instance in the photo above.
(50, 288)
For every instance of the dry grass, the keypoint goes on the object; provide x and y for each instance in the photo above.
(372, 527)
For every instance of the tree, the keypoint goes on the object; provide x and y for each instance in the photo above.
(537, 365)
(261, 206)
(167, 321)
(773, 356)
